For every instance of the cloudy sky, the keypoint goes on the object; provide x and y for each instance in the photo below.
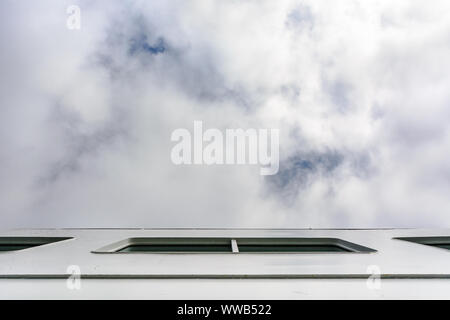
(360, 91)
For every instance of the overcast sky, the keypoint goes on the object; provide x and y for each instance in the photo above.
(360, 91)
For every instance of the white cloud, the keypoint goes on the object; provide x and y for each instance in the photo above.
(359, 90)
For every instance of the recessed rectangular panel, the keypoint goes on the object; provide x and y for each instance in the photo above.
(20, 243)
(224, 245)
(14, 247)
(177, 248)
(438, 242)
(298, 245)
(441, 245)
(291, 248)
(169, 245)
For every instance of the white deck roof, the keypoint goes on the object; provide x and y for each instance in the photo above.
(395, 258)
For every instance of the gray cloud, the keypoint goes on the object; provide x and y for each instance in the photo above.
(358, 90)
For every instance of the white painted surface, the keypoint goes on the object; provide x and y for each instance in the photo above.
(225, 289)
(394, 258)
